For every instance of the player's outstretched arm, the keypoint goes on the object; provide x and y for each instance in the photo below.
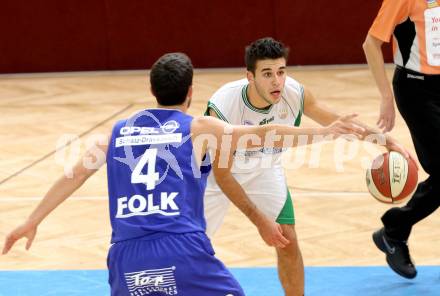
(231, 137)
(323, 115)
(59, 191)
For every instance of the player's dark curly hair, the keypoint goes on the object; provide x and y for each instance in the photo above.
(170, 78)
(262, 49)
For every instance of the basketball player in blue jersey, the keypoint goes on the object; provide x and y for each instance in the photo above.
(157, 171)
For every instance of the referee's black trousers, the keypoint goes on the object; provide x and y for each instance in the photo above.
(418, 100)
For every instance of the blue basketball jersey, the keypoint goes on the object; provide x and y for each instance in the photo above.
(155, 185)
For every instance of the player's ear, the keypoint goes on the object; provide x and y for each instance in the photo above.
(250, 76)
(189, 96)
(190, 92)
(151, 90)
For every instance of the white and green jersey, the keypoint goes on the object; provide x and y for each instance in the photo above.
(259, 171)
(232, 105)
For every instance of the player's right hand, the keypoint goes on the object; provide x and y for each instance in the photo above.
(393, 145)
(272, 233)
(25, 230)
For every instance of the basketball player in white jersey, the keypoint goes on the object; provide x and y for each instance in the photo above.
(255, 179)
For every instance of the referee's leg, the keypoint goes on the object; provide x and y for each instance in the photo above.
(418, 100)
(419, 104)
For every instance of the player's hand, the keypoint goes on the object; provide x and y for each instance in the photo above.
(26, 230)
(272, 233)
(393, 145)
(387, 115)
(344, 127)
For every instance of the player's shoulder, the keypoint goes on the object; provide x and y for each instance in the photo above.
(119, 124)
(234, 84)
(230, 88)
(293, 87)
(202, 124)
(291, 82)
(227, 99)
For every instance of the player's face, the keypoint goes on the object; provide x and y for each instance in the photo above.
(269, 79)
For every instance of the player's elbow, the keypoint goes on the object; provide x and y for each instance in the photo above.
(80, 173)
(221, 174)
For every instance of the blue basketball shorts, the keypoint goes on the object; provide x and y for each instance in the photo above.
(175, 264)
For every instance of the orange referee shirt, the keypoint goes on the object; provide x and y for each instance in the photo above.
(415, 26)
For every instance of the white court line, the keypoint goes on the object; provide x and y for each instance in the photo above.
(320, 193)
(79, 198)
(102, 198)
(143, 72)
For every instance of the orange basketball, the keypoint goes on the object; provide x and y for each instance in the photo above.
(392, 178)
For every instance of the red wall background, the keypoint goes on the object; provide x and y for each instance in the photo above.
(72, 35)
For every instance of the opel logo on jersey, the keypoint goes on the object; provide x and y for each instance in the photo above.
(170, 126)
(144, 130)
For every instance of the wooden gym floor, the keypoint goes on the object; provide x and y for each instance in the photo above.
(335, 214)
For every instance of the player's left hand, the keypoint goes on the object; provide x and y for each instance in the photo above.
(25, 230)
(272, 233)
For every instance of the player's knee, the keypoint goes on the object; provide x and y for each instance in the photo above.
(289, 232)
(292, 249)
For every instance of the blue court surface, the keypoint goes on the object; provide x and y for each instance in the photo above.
(322, 281)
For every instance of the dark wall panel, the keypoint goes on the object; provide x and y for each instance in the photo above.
(213, 33)
(70, 35)
(325, 32)
(52, 35)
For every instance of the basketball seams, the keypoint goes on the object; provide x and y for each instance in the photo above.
(381, 175)
(391, 178)
(398, 167)
(374, 190)
(411, 181)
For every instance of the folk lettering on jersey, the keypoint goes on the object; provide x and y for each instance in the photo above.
(138, 205)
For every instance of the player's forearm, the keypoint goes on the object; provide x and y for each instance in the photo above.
(327, 117)
(233, 190)
(93, 160)
(282, 136)
(317, 111)
(373, 53)
(279, 136)
(59, 192)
